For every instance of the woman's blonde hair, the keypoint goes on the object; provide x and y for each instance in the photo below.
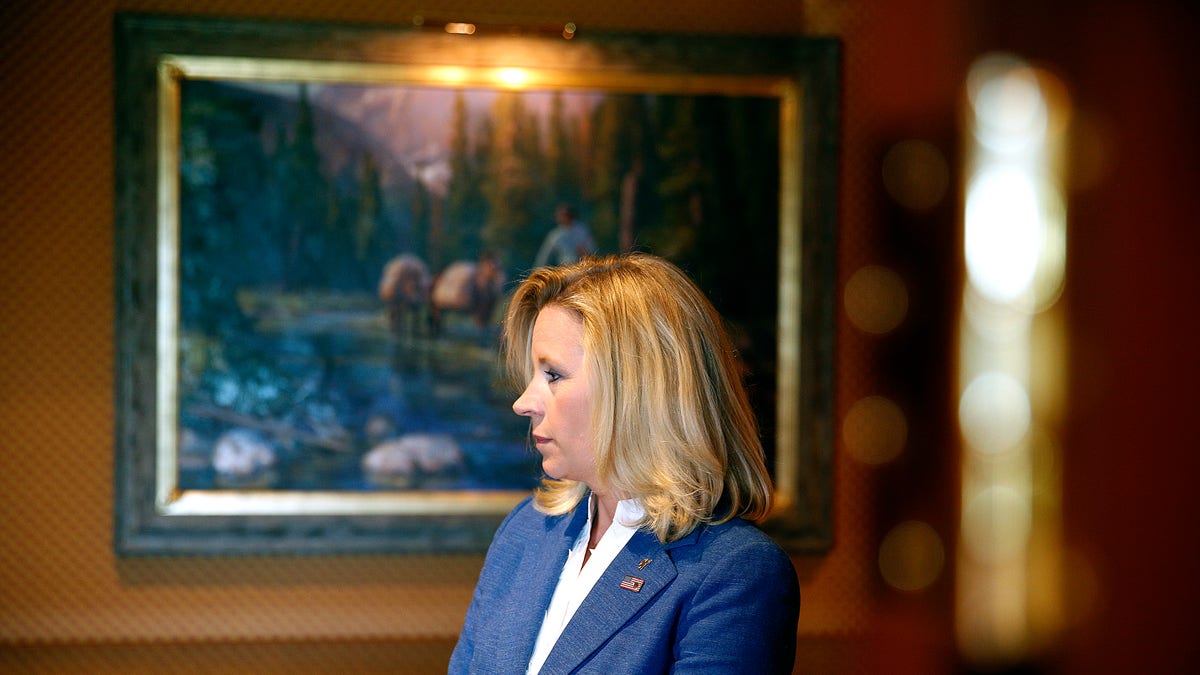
(671, 422)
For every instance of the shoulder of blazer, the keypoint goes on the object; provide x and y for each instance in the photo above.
(525, 527)
(738, 537)
(526, 521)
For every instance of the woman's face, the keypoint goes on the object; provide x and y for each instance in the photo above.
(558, 398)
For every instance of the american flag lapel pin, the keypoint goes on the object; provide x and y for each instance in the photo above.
(632, 583)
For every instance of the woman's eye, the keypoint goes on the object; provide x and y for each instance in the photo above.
(553, 376)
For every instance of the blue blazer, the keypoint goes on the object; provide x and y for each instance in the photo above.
(723, 599)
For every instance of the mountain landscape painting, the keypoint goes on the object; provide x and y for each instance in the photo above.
(346, 252)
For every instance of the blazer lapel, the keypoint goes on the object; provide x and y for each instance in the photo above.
(624, 588)
(533, 580)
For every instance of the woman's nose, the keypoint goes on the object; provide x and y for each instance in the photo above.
(526, 404)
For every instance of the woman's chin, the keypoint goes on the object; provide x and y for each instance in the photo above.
(553, 471)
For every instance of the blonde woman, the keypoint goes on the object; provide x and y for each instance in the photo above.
(637, 554)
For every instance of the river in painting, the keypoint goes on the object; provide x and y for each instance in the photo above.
(322, 382)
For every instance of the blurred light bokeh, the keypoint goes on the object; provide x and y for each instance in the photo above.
(1010, 555)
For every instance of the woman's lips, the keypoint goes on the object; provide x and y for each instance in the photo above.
(540, 440)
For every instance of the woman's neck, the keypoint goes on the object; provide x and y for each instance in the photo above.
(605, 511)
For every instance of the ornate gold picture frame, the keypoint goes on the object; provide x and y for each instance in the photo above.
(275, 396)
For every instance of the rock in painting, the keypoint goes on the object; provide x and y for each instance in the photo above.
(401, 461)
(244, 456)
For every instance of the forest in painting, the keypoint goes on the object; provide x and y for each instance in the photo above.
(299, 370)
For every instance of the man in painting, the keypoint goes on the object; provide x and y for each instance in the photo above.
(568, 242)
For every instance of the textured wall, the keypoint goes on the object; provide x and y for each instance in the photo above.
(60, 583)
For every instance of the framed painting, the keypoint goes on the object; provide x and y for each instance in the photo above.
(318, 227)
